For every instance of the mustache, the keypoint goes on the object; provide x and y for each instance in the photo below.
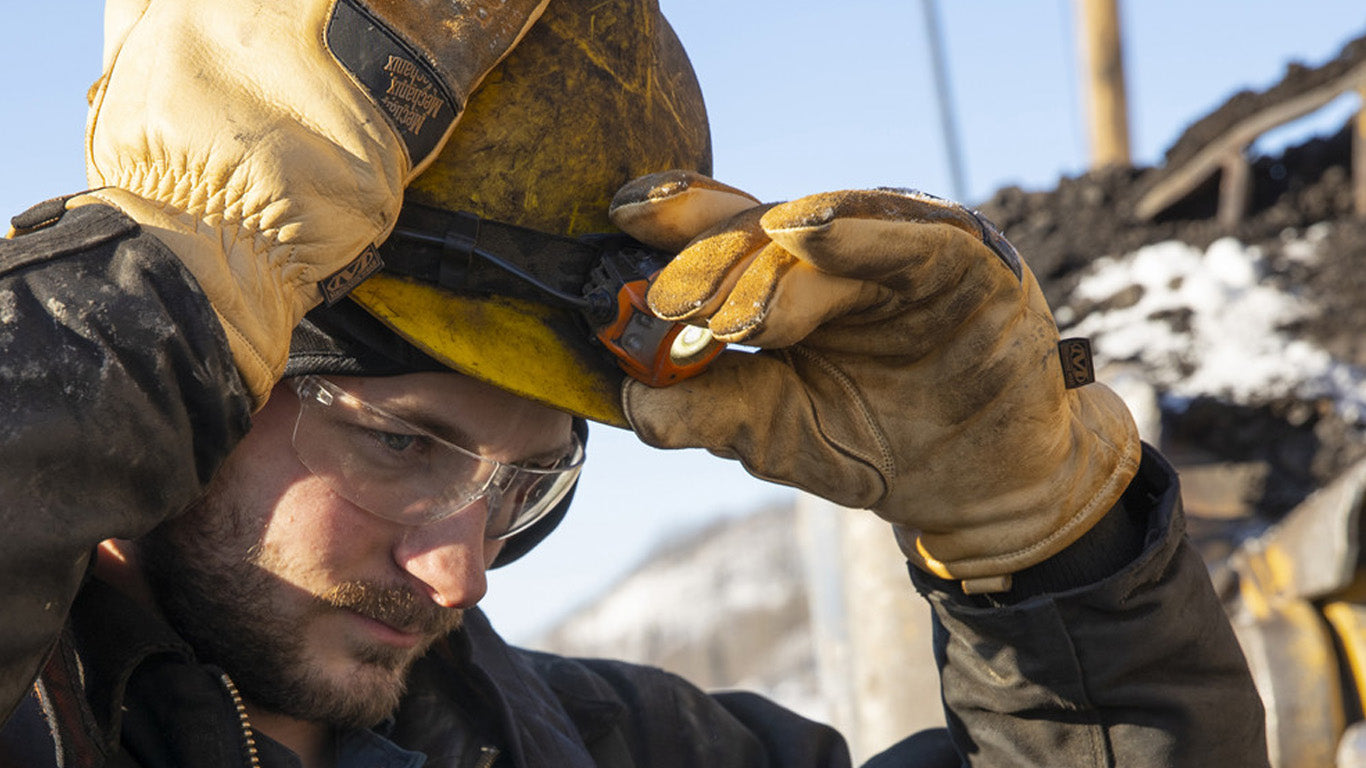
(398, 607)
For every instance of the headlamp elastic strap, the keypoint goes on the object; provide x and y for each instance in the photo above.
(464, 253)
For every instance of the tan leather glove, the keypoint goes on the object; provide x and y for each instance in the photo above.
(268, 142)
(909, 365)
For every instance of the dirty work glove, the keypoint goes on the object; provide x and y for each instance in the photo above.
(909, 365)
(267, 142)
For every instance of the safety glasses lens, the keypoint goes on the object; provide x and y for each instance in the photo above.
(401, 472)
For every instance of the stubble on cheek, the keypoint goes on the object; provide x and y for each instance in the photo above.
(263, 618)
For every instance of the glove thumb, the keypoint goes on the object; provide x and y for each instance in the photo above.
(667, 210)
(838, 459)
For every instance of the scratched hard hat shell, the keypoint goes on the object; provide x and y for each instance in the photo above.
(596, 94)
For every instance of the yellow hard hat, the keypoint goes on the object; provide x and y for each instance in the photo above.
(596, 94)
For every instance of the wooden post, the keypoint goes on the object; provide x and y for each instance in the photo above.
(873, 633)
(891, 639)
(1359, 154)
(1102, 54)
(1235, 189)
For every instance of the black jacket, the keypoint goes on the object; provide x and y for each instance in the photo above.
(121, 400)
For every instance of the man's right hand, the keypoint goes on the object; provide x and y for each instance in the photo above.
(267, 142)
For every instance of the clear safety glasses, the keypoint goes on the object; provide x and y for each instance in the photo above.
(401, 472)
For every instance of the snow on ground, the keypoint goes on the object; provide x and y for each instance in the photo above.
(1207, 323)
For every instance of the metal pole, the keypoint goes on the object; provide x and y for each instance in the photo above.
(948, 120)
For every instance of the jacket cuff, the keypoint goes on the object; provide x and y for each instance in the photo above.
(1138, 667)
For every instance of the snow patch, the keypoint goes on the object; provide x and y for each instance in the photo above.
(1206, 323)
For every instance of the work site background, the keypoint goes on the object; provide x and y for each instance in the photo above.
(1236, 344)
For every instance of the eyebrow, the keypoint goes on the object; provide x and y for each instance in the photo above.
(454, 434)
(432, 424)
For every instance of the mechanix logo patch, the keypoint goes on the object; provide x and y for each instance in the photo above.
(402, 83)
(336, 285)
(1077, 368)
(411, 98)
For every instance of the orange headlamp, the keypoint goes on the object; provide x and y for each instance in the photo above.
(655, 351)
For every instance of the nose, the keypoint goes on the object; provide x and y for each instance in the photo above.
(449, 557)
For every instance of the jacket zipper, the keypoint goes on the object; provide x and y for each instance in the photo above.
(248, 734)
(487, 756)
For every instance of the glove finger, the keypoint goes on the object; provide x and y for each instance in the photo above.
(750, 290)
(668, 210)
(700, 278)
(887, 236)
(780, 299)
(119, 18)
(462, 41)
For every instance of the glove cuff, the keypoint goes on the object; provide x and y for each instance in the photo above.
(257, 311)
(1050, 513)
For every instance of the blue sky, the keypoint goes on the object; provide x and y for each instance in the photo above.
(803, 97)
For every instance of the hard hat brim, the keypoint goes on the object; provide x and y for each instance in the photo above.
(532, 350)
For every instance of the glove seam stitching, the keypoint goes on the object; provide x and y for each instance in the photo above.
(884, 463)
(245, 344)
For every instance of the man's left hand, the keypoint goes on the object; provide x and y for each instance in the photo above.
(908, 364)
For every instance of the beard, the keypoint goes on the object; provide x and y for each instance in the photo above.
(225, 594)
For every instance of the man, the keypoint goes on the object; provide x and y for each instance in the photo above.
(303, 593)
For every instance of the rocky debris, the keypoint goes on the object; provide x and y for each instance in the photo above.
(1061, 231)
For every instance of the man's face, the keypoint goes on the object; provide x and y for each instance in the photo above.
(314, 606)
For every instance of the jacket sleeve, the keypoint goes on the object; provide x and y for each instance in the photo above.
(1140, 668)
(634, 715)
(119, 400)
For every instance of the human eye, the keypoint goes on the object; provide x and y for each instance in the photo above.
(386, 443)
(400, 445)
